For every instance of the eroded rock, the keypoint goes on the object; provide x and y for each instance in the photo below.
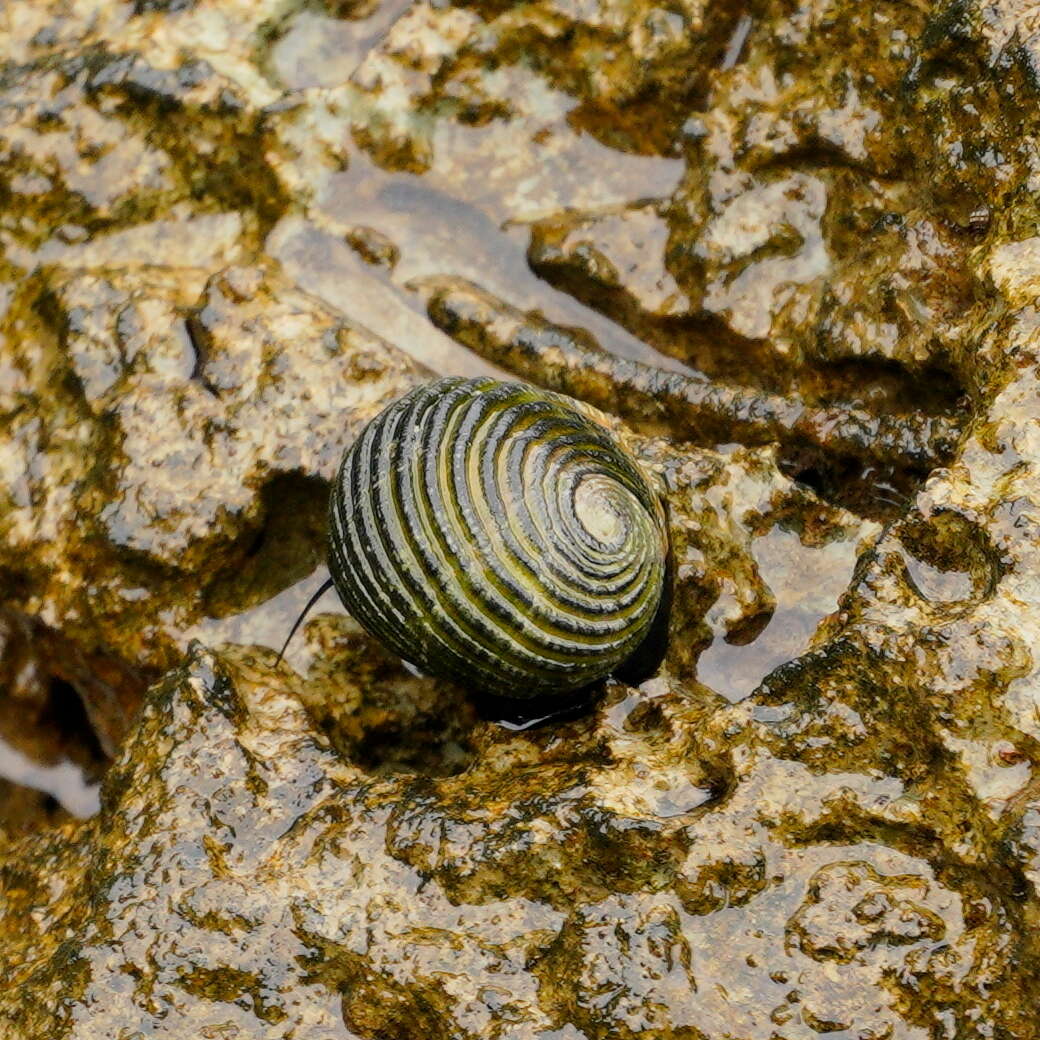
(301, 892)
(225, 222)
(164, 421)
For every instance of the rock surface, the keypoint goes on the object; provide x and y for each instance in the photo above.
(793, 246)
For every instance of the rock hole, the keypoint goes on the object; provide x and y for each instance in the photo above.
(201, 344)
(379, 715)
(65, 714)
(885, 386)
(878, 387)
(867, 490)
(50, 765)
(286, 546)
(949, 559)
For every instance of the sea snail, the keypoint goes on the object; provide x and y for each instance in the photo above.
(497, 534)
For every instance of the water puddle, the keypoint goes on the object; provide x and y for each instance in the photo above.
(269, 623)
(63, 781)
(438, 234)
(807, 582)
(323, 264)
(320, 51)
(937, 585)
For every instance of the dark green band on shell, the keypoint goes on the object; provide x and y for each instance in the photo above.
(492, 533)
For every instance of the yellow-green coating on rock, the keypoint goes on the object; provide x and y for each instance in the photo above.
(821, 816)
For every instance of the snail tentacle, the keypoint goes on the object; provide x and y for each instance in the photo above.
(325, 586)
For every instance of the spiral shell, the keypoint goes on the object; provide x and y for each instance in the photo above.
(492, 533)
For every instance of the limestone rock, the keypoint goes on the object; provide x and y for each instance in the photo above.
(794, 247)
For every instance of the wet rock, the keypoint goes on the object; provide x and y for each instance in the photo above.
(805, 184)
(419, 102)
(615, 263)
(567, 898)
(170, 424)
(689, 406)
(795, 249)
(373, 247)
(850, 907)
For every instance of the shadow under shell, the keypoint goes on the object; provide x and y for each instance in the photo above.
(526, 713)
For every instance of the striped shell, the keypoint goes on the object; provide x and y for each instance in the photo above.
(492, 533)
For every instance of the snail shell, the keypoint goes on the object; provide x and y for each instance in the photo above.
(492, 533)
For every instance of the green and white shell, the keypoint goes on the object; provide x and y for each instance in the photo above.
(496, 534)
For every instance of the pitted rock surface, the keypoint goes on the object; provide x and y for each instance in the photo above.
(154, 409)
(629, 878)
(792, 246)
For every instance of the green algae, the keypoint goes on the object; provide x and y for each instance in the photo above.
(222, 239)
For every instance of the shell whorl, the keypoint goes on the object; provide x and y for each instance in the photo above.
(491, 532)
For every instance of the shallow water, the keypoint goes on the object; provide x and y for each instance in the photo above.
(64, 781)
(807, 582)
